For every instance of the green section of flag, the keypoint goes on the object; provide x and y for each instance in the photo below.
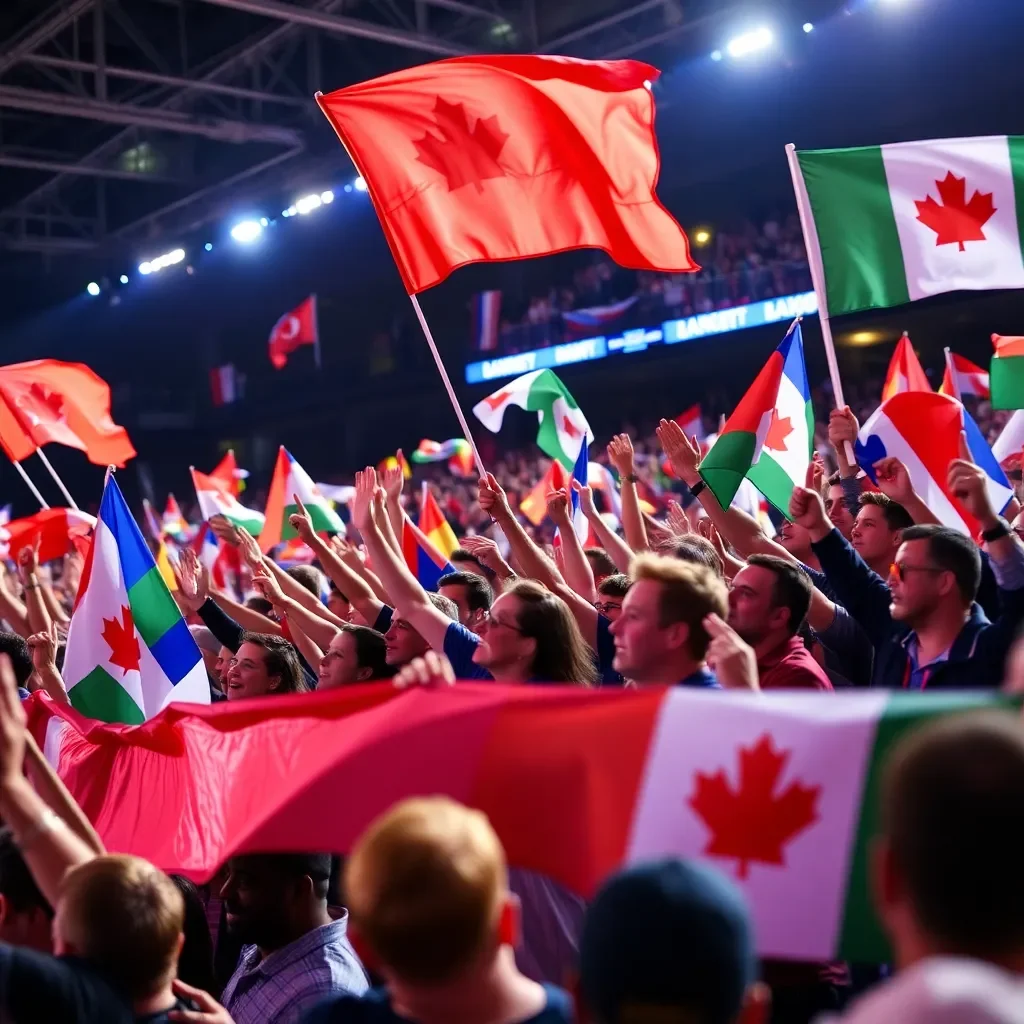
(728, 462)
(861, 938)
(1006, 381)
(1015, 144)
(772, 481)
(860, 246)
(100, 695)
(153, 609)
(324, 519)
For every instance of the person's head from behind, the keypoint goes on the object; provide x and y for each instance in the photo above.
(264, 665)
(462, 560)
(355, 655)
(769, 599)
(937, 571)
(195, 962)
(530, 633)
(877, 529)
(273, 898)
(669, 941)
(126, 918)
(402, 640)
(472, 595)
(611, 592)
(16, 648)
(699, 550)
(601, 564)
(338, 604)
(210, 648)
(427, 891)
(25, 917)
(660, 635)
(947, 865)
(835, 505)
(307, 576)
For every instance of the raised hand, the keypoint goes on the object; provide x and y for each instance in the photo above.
(843, 427)
(492, 498)
(432, 669)
(709, 531)
(12, 726)
(362, 510)
(815, 473)
(301, 522)
(193, 580)
(43, 647)
(731, 658)
(209, 1012)
(620, 455)
(683, 452)
(266, 583)
(486, 552)
(558, 507)
(225, 530)
(894, 480)
(968, 484)
(249, 549)
(393, 479)
(586, 498)
(806, 509)
(678, 519)
(28, 559)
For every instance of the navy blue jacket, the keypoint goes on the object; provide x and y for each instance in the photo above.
(978, 653)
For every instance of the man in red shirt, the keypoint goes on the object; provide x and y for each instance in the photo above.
(767, 606)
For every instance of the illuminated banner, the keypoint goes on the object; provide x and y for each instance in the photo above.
(671, 332)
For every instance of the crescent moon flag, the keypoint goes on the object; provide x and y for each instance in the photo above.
(296, 328)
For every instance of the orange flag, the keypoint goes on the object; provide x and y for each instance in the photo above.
(905, 372)
(535, 505)
(46, 401)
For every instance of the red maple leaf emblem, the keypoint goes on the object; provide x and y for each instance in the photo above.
(495, 400)
(955, 219)
(463, 156)
(753, 822)
(778, 430)
(569, 428)
(49, 400)
(122, 641)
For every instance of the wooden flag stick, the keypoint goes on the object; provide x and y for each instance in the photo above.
(448, 384)
(57, 479)
(31, 486)
(817, 268)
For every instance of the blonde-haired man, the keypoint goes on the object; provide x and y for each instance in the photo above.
(431, 912)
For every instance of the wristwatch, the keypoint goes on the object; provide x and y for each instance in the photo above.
(1001, 529)
(697, 488)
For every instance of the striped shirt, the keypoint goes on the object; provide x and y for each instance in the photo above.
(279, 988)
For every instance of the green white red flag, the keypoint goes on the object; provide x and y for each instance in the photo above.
(289, 480)
(778, 790)
(215, 499)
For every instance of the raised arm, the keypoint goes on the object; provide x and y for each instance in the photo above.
(618, 550)
(411, 600)
(36, 611)
(620, 455)
(576, 569)
(393, 480)
(321, 629)
(43, 647)
(11, 608)
(894, 482)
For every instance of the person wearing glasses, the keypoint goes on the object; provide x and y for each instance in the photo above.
(924, 622)
(610, 593)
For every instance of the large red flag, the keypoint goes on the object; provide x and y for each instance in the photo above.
(58, 532)
(293, 330)
(502, 157)
(46, 401)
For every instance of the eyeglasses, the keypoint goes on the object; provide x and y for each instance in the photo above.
(603, 608)
(900, 570)
(492, 621)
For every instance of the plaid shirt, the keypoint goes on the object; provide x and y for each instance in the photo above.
(281, 987)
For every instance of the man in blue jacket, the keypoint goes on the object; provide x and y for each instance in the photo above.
(926, 627)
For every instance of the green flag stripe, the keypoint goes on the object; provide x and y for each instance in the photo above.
(1015, 144)
(153, 608)
(860, 247)
(861, 937)
(773, 482)
(1007, 382)
(324, 520)
(727, 464)
(99, 695)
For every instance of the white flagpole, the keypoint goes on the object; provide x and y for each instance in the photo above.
(955, 391)
(31, 486)
(57, 479)
(810, 232)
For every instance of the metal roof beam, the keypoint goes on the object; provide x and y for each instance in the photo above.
(64, 14)
(34, 163)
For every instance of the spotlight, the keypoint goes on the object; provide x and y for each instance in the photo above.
(290, 212)
(327, 197)
(808, 27)
(307, 204)
(702, 236)
(208, 247)
(348, 188)
(360, 184)
(93, 288)
(123, 279)
(750, 42)
(146, 268)
(264, 222)
(716, 54)
(247, 231)
(168, 259)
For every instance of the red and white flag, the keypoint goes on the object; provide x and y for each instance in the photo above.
(962, 377)
(905, 371)
(226, 384)
(293, 330)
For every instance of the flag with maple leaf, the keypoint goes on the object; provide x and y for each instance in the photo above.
(780, 791)
(769, 438)
(503, 157)
(129, 651)
(905, 371)
(561, 425)
(901, 222)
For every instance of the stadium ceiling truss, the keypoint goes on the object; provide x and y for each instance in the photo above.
(122, 120)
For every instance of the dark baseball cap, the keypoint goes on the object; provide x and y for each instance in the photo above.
(668, 940)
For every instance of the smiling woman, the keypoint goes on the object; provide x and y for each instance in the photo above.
(263, 665)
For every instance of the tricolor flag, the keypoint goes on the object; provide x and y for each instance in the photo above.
(600, 479)
(1007, 374)
(393, 462)
(294, 329)
(535, 505)
(580, 523)
(596, 318)
(692, 422)
(561, 422)
(215, 499)
(486, 312)
(770, 435)
(289, 480)
(781, 791)
(962, 377)
(433, 524)
(229, 472)
(905, 371)
(923, 432)
(174, 524)
(129, 651)
(901, 222)
(456, 450)
(226, 384)
(422, 558)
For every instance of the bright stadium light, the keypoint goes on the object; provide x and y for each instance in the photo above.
(307, 204)
(208, 247)
(360, 184)
(749, 42)
(247, 231)
(327, 197)
(168, 259)
(93, 288)
(123, 279)
(808, 27)
(716, 54)
(145, 268)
